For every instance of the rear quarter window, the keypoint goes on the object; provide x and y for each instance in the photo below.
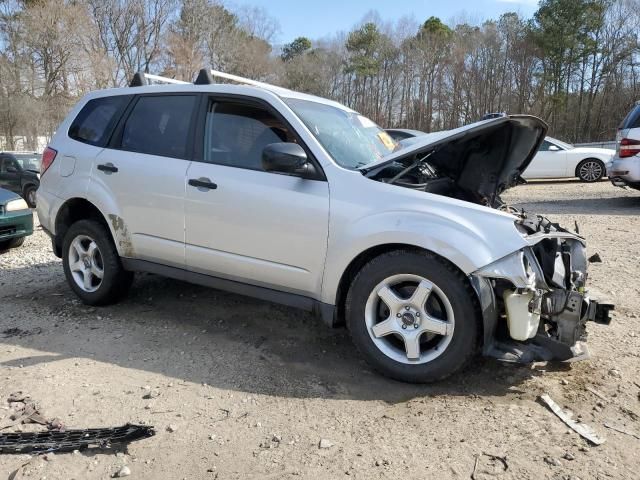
(96, 120)
(633, 119)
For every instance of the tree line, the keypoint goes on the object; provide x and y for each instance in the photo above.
(574, 63)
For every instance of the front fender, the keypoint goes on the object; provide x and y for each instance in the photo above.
(470, 239)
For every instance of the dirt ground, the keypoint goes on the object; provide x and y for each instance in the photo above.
(249, 389)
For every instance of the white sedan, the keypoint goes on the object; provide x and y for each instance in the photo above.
(556, 159)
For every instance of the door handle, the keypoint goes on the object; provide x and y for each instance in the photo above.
(202, 182)
(108, 168)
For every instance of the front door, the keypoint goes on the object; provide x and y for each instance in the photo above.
(144, 171)
(549, 162)
(246, 224)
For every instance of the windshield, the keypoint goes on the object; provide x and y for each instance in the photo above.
(28, 161)
(352, 140)
(566, 146)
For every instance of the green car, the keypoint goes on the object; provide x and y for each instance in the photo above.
(16, 220)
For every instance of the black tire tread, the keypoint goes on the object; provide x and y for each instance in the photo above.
(407, 376)
(116, 281)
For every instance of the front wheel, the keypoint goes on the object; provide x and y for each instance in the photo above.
(30, 196)
(413, 316)
(13, 243)
(590, 170)
(92, 265)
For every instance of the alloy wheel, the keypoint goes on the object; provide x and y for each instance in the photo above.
(409, 319)
(591, 171)
(85, 263)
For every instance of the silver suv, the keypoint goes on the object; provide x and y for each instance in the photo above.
(625, 168)
(299, 200)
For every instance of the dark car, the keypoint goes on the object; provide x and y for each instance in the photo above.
(16, 220)
(20, 173)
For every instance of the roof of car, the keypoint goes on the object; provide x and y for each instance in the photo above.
(246, 90)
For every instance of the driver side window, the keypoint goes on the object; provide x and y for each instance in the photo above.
(236, 134)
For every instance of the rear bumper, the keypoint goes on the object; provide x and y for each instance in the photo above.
(625, 172)
(16, 225)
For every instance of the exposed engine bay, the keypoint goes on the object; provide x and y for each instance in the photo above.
(543, 314)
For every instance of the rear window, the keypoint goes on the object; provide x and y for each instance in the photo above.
(633, 119)
(96, 120)
(159, 125)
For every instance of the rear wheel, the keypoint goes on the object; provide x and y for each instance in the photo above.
(412, 316)
(590, 170)
(92, 265)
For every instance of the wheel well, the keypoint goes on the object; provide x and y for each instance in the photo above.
(577, 173)
(72, 211)
(356, 265)
(28, 185)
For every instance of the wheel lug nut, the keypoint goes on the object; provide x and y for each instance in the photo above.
(415, 325)
(406, 308)
(404, 327)
(417, 314)
(398, 315)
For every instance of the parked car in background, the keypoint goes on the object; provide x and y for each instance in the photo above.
(625, 168)
(16, 220)
(557, 159)
(20, 173)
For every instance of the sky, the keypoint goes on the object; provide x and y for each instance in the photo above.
(320, 18)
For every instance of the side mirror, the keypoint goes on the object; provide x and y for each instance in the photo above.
(289, 158)
(554, 148)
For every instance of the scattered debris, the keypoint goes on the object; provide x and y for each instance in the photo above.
(123, 472)
(150, 395)
(630, 413)
(614, 372)
(553, 461)
(595, 258)
(18, 332)
(498, 463)
(172, 428)
(601, 396)
(70, 440)
(582, 429)
(622, 430)
(569, 456)
(324, 443)
(564, 382)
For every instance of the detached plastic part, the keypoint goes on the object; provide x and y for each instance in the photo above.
(70, 440)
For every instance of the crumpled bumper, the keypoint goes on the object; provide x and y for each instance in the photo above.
(531, 314)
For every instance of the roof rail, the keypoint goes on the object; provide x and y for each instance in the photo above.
(205, 77)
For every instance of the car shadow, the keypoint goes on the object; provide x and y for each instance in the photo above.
(207, 336)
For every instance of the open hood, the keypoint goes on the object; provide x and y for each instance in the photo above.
(483, 159)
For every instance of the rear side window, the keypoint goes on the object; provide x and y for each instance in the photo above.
(633, 119)
(160, 125)
(96, 120)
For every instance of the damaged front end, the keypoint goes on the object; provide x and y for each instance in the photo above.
(535, 303)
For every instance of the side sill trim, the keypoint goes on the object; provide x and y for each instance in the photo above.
(324, 310)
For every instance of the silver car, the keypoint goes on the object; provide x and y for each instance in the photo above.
(302, 201)
(625, 168)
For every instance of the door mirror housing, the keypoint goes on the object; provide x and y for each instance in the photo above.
(287, 158)
(554, 148)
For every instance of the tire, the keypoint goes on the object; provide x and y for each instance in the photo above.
(449, 298)
(591, 170)
(88, 252)
(30, 195)
(13, 243)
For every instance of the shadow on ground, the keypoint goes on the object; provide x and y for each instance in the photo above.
(206, 336)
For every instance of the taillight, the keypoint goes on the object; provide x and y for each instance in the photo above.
(628, 147)
(48, 156)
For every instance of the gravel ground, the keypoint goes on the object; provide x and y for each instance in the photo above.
(245, 389)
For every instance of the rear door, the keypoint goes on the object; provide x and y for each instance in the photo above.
(143, 172)
(250, 225)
